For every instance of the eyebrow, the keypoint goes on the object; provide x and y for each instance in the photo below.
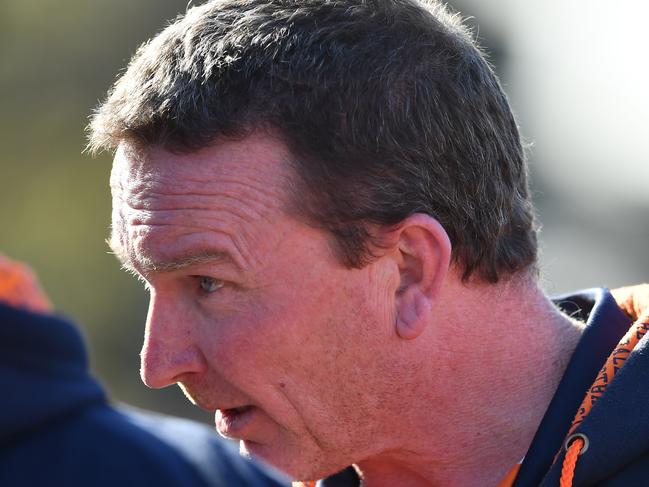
(174, 263)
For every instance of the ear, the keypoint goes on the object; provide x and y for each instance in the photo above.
(423, 253)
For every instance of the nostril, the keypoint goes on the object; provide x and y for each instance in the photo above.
(151, 371)
(163, 365)
(155, 368)
(170, 348)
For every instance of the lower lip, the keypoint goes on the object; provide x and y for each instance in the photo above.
(231, 423)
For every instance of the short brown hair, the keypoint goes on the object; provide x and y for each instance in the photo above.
(388, 107)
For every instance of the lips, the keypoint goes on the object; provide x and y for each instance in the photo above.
(232, 422)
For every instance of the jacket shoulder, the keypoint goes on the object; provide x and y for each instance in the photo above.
(105, 446)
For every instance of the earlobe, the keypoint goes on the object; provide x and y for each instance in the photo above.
(412, 315)
(424, 256)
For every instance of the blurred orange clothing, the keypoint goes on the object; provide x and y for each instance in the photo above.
(19, 287)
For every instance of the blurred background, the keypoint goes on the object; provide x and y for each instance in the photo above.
(576, 72)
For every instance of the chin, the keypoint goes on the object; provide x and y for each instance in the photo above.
(299, 464)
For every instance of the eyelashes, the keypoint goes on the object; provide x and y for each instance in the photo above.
(209, 285)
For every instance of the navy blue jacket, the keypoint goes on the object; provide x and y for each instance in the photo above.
(618, 424)
(56, 427)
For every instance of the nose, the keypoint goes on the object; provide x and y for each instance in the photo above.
(169, 351)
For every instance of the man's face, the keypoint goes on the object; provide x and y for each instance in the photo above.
(250, 311)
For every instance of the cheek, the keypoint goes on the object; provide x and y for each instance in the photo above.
(278, 337)
(233, 340)
(249, 342)
(321, 344)
(313, 343)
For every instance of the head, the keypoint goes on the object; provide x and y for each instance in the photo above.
(296, 181)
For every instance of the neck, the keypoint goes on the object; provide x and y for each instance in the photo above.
(508, 347)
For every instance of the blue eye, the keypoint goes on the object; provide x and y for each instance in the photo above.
(209, 285)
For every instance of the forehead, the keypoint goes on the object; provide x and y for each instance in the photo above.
(165, 204)
(257, 158)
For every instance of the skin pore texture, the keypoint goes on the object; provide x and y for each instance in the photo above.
(399, 367)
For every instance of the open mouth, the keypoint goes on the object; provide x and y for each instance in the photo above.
(238, 410)
(231, 422)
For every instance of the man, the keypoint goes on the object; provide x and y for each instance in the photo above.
(57, 428)
(329, 204)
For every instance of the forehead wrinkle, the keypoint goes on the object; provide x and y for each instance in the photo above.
(208, 221)
(176, 183)
(201, 208)
(155, 188)
(199, 214)
(145, 180)
(155, 169)
(144, 202)
(146, 196)
(131, 224)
